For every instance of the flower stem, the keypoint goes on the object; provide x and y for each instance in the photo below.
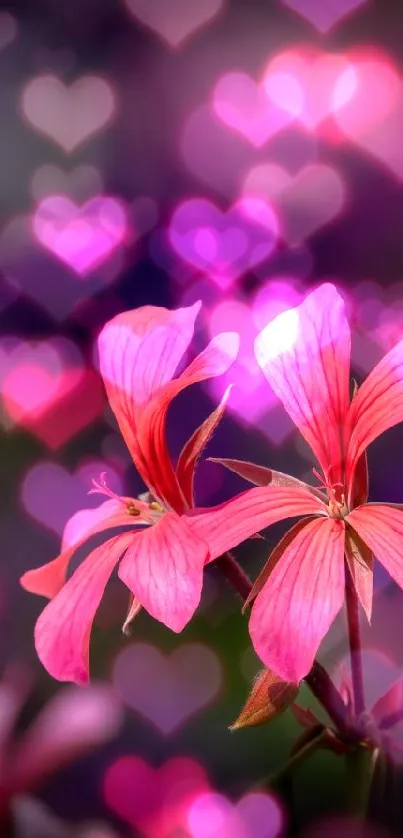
(235, 575)
(354, 636)
(319, 682)
(323, 688)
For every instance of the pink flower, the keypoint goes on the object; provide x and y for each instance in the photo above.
(71, 724)
(161, 557)
(305, 356)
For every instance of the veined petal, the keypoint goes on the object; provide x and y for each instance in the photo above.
(62, 631)
(227, 525)
(48, 579)
(163, 568)
(305, 355)
(300, 600)
(361, 564)
(274, 557)
(139, 352)
(381, 527)
(378, 403)
(215, 359)
(193, 448)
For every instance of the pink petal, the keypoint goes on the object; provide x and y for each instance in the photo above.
(378, 404)
(193, 448)
(163, 568)
(63, 629)
(361, 564)
(48, 579)
(227, 525)
(381, 527)
(300, 600)
(139, 352)
(305, 355)
(215, 359)
(274, 557)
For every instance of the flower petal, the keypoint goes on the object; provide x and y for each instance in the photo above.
(48, 579)
(274, 557)
(163, 568)
(193, 448)
(305, 355)
(139, 352)
(361, 564)
(300, 600)
(378, 403)
(380, 526)
(214, 360)
(63, 629)
(227, 525)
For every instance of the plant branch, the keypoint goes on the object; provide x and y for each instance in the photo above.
(234, 574)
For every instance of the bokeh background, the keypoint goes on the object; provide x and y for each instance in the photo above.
(160, 152)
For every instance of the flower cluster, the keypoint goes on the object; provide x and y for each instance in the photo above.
(167, 540)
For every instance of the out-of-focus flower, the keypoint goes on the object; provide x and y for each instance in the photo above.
(305, 355)
(161, 559)
(69, 725)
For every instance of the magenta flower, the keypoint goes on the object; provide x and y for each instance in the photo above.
(71, 724)
(161, 557)
(305, 356)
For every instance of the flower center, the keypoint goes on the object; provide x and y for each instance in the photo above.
(337, 506)
(145, 506)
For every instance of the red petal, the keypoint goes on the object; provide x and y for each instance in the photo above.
(361, 564)
(300, 600)
(192, 450)
(227, 525)
(214, 360)
(163, 568)
(274, 557)
(139, 352)
(378, 404)
(305, 356)
(48, 579)
(381, 527)
(63, 629)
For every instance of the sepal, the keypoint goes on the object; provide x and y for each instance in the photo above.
(270, 696)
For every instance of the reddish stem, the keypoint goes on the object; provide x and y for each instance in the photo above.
(354, 636)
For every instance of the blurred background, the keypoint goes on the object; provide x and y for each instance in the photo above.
(162, 152)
